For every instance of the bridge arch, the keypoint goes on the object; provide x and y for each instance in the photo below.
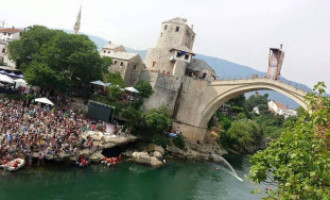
(201, 99)
(238, 89)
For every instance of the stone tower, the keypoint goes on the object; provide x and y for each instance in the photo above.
(173, 50)
(76, 26)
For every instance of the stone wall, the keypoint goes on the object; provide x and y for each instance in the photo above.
(191, 133)
(164, 91)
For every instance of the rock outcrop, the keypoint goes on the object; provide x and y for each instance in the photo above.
(145, 158)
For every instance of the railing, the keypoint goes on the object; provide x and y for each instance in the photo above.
(281, 80)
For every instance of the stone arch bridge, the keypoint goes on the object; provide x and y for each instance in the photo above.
(200, 99)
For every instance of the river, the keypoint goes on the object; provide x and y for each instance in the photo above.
(182, 180)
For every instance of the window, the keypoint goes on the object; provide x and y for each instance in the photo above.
(178, 54)
(109, 51)
(177, 29)
(116, 62)
(121, 64)
(165, 27)
(104, 51)
(186, 56)
(3, 50)
(134, 67)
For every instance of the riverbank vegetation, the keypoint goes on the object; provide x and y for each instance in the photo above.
(241, 129)
(297, 162)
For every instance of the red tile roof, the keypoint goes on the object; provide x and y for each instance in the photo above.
(279, 105)
(10, 30)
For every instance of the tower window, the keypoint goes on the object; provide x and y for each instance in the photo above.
(104, 51)
(186, 56)
(115, 62)
(121, 64)
(177, 29)
(178, 54)
(109, 51)
(134, 67)
(165, 27)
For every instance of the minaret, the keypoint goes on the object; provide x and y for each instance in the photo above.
(76, 26)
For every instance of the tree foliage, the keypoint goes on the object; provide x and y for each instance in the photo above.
(144, 88)
(133, 115)
(242, 134)
(114, 92)
(158, 120)
(114, 78)
(257, 100)
(298, 161)
(73, 58)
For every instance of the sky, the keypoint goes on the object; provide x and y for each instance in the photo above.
(239, 31)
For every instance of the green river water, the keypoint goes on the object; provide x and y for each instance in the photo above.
(179, 181)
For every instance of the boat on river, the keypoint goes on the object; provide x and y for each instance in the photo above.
(10, 166)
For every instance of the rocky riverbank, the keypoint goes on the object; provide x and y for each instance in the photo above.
(155, 156)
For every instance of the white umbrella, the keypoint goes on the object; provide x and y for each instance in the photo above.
(20, 81)
(12, 74)
(107, 84)
(2, 71)
(131, 89)
(98, 82)
(44, 100)
(6, 79)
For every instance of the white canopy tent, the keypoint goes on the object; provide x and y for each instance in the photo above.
(131, 89)
(6, 79)
(107, 84)
(98, 82)
(20, 81)
(44, 100)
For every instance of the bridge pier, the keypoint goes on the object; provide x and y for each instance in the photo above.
(192, 133)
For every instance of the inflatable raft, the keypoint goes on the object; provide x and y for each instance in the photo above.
(14, 165)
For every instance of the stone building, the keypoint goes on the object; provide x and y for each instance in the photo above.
(279, 109)
(7, 35)
(128, 64)
(171, 64)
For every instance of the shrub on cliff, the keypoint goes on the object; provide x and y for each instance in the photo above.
(179, 142)
(144, 88)
(158, 120)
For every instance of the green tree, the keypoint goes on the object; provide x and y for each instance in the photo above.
(256, 100)
(144, 88)
(300, 111)
(298, 161)
(73, 58)
(114, 78)
(158, 121)
(114, 92)
(242, 134)
(41, 75)
(133, 115)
